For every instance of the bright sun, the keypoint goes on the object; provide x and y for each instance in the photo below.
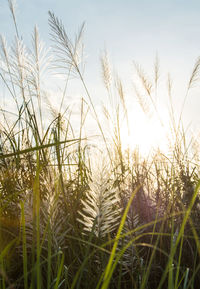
(145, 133)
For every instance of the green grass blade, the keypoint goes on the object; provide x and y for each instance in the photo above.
(108, 270)
(59, 272)
(25, 264)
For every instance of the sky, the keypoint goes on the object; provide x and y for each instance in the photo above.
(130, 30)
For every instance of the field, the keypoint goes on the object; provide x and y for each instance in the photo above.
(90, 211)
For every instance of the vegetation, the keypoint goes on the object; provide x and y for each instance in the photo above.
(75, 215)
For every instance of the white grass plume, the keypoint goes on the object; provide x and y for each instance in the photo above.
(12, 6)
(106, 71)
(69, 53)
(101, 212)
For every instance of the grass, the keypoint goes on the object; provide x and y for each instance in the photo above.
(77, 216)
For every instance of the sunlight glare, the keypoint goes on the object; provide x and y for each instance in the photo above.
(145, 133)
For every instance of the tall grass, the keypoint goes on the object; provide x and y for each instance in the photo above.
(75, 215)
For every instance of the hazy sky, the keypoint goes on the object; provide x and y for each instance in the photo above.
(136, 28)
(131, 30)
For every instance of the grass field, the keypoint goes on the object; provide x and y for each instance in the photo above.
(75, 213)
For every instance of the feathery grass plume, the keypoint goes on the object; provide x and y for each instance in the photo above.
(142, 102)
(106, 70)
(53, 217)
(120, 90)
(115, 112)
(69, 54)
(195, 76)
(130, 260)
(100, 212)
(147, 85)
(156, 73)
(50, 107)
(148, 88)
(39, 62)
(68, 57)
(106, 113)
(6, 68)
(12, 7)
(20, 67)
